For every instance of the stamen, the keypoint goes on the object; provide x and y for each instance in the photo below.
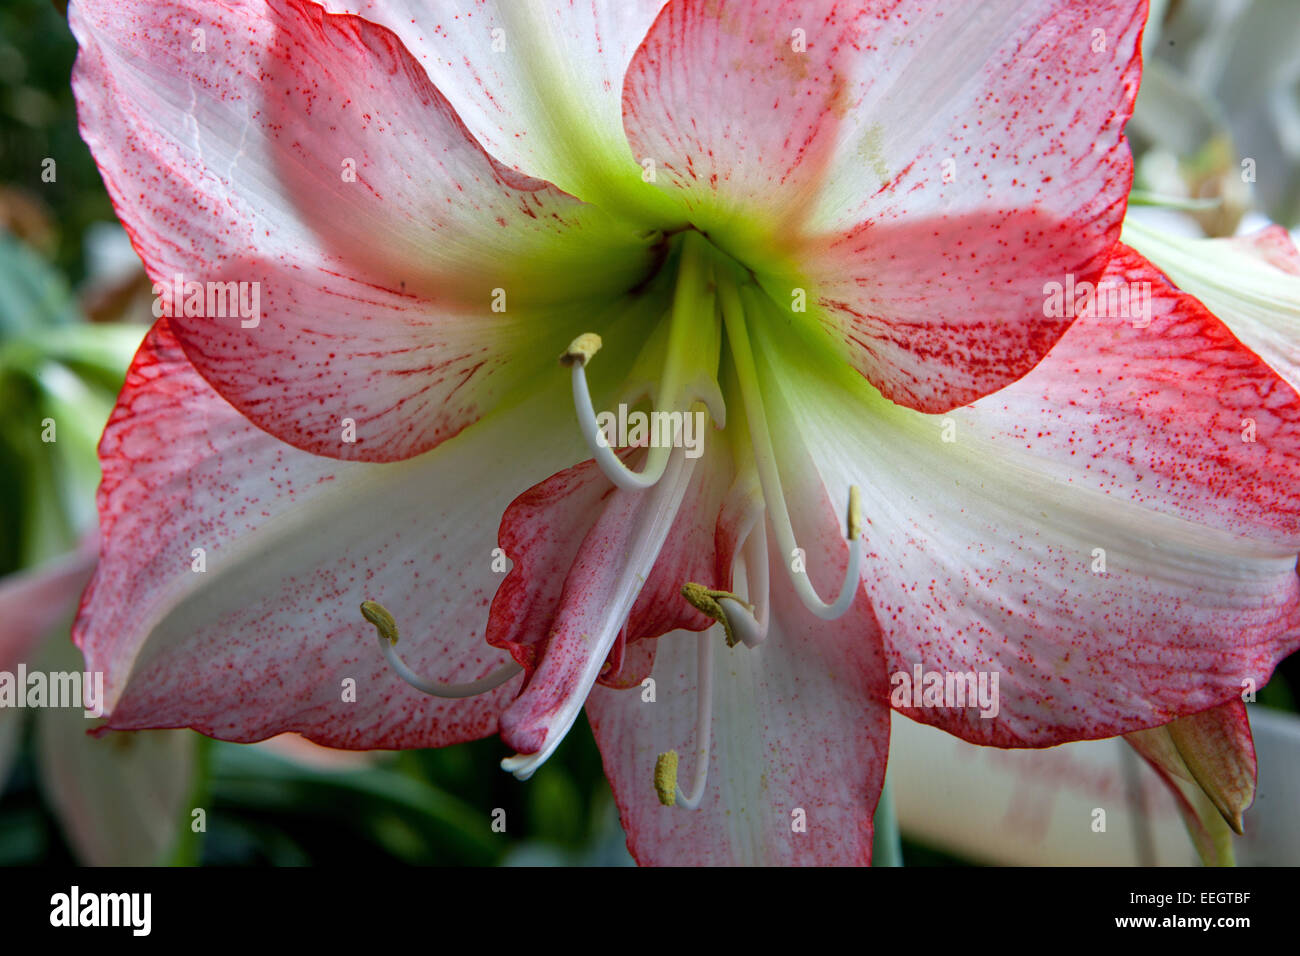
(709, 602)
(742, 623)
(666, 778)
(576, 356)
(733, 314)
(688, 373)
(752, 627)
(666, 766)
(582, 349)
(854, 520)
(386, 627)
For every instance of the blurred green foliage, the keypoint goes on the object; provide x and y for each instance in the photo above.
(38, 122)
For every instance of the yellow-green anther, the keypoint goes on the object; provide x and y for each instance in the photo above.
(705, 600)
(666, 778)
(379, 616)
(855, 513)
(582, 349)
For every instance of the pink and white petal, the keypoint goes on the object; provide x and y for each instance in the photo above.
(1024, 807)
(1251, 282)
(926, 168)
(548, 531)
(800, 734)
(1176, 416)
(121, 799)
(1098, 535)
(309, 157)
(940, 310)
(1028, 97)
(539, 84)
(569, 604)
(267, 638)
(1273, 244)
(800, 723)
(931, 269)
(744, 152)
(34, 602)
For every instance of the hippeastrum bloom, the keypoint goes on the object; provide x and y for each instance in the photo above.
(827, 228)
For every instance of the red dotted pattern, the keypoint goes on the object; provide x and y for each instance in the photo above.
(799, 722)
(260, 642)
(570, 536)
(934, 286)
(980, 552)
(738, 123)
(376, 295)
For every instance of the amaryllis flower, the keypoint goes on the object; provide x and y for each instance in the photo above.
(822, 229)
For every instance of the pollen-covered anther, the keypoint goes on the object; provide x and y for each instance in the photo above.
(576, 356)
(666, 778)
(733, 612)
(581, 350)
(855, 520)
(386, 627)
(379, 616)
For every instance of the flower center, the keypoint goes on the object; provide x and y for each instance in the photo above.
(714, 292)
(701, 340)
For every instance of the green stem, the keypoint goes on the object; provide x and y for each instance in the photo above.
(188, 849)
(886, 845)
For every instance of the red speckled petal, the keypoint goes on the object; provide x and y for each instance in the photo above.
(591, 562)
(1250, 282)
(982, 156)
(927, 166)
(739, 124)
(1098, 535)
(266, 638)
(403, 278)
(546, 530)
(800, 723)
(538, 83)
